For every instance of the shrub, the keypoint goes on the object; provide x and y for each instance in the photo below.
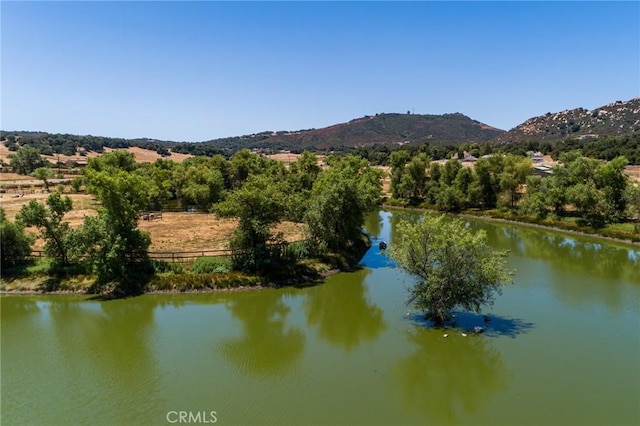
(15, 243)
(160, 267)
(298, 250)
(211, 265)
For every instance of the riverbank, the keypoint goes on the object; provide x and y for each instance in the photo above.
(558, 226)
(306, 272)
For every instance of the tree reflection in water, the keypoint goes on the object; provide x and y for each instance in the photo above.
(446, 380)
(342, 312)
(267, 346)
(111, 350)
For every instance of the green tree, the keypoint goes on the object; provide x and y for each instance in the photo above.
(15, 243)
(449, 199)
(48, 219)
(397, 161)
(455, 267)
(76, 184)
(116, 248)
(243, 164)
(487, 183)
(340, 198)
(611, 179)
(199, 185)
(118, 159)
(413, 184)
(44, 174)
(534, 202)
(304, 171)
(258, 204)
(594, 209)
(26, 160)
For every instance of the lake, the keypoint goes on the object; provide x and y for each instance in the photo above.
(562, 347)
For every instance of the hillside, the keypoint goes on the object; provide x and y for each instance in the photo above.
(383, 129)
(614, 119)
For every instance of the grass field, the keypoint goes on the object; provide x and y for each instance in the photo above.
(179, 231)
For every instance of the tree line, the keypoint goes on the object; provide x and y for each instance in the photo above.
(259, 192)
(597, 192)
(604, 147)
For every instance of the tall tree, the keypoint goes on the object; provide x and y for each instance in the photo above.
(341, 197)
(611, 179)
(48, 219)
(454, 267)
(26, 160)
(397, 160)
(112, 240)
(258, 205)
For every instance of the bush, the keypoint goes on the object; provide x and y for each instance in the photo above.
(298, 250)
(161, 267)
(211, 265)
(15, 243)
(191, 282)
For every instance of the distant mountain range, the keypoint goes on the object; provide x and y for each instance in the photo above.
(614, 119)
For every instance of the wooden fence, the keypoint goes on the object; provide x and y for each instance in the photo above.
(164, 256)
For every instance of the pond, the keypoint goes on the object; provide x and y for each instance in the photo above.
(562, 346)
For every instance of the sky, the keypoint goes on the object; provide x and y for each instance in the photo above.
(195, 71)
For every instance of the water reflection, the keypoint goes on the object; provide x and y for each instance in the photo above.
(111, 349)
(267, 345)
(14, 307)
(446, 380)
(342, 311)
(373, 224)
(571, 254)
(490, 325)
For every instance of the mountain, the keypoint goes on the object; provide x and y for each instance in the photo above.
(387, 129)
(614, 119)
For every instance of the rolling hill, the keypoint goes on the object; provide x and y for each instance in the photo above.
(383, 129)
(614, 119)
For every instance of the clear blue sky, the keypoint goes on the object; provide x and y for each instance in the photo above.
(201, 70)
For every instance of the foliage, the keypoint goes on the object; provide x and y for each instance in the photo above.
(26, 160)
(197, 185)
(76, 184)
(194, 282)
(56, 233)
(15, 243)
(339, 199)
(44, 174)
(112, 241)
(258, 204)
(211, 265)
(454, 266)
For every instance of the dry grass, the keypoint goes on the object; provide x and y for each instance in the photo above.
(197, 231)
(633, 172)
(141, 155)
(288, 157)
(174, 232)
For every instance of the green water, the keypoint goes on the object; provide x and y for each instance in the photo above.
(562, 348)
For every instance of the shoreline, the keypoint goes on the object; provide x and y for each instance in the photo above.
(298, 283)
(516, 222)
